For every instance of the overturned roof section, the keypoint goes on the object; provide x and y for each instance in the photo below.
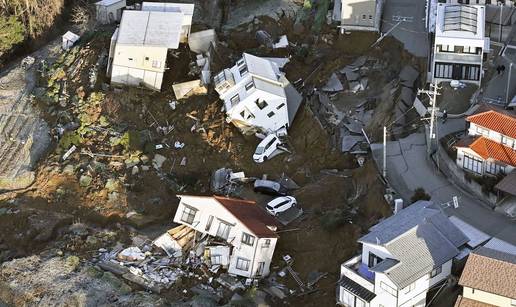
(250, 215)
(419, 238)
(186, 8)
(490, 271)
(149, 28)
(261, 67)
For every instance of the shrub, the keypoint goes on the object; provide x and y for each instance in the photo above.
(420, 194)
(12, 33)
(334, 219)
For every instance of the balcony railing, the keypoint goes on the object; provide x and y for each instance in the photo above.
(458, 57)
(357, 271)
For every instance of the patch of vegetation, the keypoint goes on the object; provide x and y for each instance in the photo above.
(487, 182)
(419, 194)
(68, 139)
(334, 219)
(12, 33)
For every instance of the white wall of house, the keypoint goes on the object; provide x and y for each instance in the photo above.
(135, 65)
(361, 15)
(470, 160)
(378, 250)
(488, 298)
(386, 291)
(211, 218)
(475, 130)
(106, 14)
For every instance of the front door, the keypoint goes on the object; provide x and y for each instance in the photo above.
(457, 72)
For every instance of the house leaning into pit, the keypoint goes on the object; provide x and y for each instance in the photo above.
(242, 225)
(257, 97)
(139, 46)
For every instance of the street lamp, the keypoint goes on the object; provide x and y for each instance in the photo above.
(508, 85)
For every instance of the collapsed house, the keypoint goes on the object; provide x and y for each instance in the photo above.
(257, 97)
(242, 235)
(139, 47)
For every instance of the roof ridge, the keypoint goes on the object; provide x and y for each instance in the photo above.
(491, 112)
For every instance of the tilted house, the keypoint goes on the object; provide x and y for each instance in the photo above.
(402, 257)
(139, 47)
(488, 279)
(247, 228)
(109, 11)
(359, 15)
(460, 43)
(490, 148)
(257, 96)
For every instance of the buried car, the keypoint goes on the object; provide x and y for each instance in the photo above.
(269, 187)
(266, 148)
(280, 204)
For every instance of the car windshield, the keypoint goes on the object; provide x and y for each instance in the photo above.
(259, 150)
(282, 203)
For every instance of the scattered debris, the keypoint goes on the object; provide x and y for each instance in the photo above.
(189, 88)
(282, 43)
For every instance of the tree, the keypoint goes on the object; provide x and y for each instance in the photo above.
(419, 194)
(12, 33)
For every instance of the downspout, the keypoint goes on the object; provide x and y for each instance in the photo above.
(254, 255)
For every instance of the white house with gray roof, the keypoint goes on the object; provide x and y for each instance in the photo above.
(257, 96)
(402, 258)
(139, 47)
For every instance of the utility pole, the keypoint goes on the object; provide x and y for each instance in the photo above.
(508, 85)
(432, 94)
(501, 13)
(384, 171)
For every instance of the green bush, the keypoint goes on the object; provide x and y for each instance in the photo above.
(13, 32)
(419, 194)
(334, 219)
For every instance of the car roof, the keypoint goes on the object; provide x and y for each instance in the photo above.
(276, 201)
(268, 138)
(267, 183)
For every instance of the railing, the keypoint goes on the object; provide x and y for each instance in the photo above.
(458, 57)
(351, 269)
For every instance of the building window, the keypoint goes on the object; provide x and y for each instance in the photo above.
(492, 168)
(370, 17)
(260, 269)
(242, 264)
(373, 260)
(270, 114)
(156, 64)
(363, 16)
(261, 104)
(472, 164)
(247, 239)
(436, 271)
(267, 243)
(188, 215)
(223, 230)
(242, 67)
(249, 86)
(410, 287)
(146, 58)
(359, 303)
(388, 288)
(443, 71)
(235, 99)
(280, 106)
(216, 259)
(246, 114)
(507, 141)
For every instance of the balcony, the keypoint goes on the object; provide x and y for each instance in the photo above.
(464, 58)
(357, 271)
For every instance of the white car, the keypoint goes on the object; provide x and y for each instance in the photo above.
(280, 204)
(266, 147)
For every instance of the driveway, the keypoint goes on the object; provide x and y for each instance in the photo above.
(408, 167)
(412, 32)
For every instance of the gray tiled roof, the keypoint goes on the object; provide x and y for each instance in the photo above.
(384, 265)
(420, 237)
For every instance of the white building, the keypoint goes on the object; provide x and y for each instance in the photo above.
(109, 11)
(359, 15)
(257, 96)
(139, 47)
(460, 43)
(242, 224)
(402, 257)
(490, 148)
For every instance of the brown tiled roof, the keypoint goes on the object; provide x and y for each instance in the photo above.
(467, 302)
(487, 149)
(251, 215)
(504, 123)
(508, 184)
(490, 271)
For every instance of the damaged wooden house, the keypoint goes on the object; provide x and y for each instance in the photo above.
(238, 234)
(139, 47)
(257, 97)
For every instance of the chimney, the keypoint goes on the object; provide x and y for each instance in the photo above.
(398, 205)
